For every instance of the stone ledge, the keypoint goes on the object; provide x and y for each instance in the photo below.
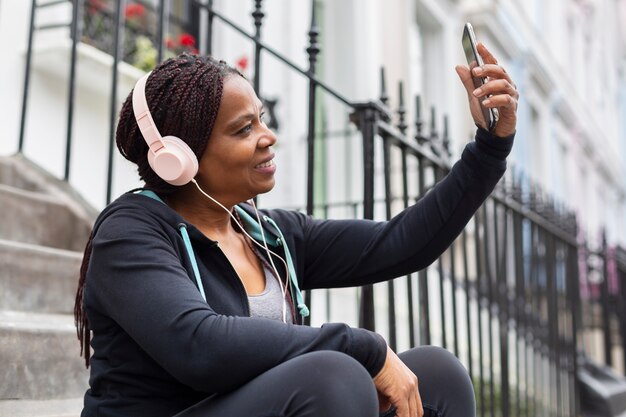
(40, 357)
(48, 408)
(37, 278)
(42, 219)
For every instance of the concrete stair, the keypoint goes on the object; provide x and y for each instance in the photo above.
(47, 408)
(43, 230)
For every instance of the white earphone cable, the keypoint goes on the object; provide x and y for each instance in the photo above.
(283, 288)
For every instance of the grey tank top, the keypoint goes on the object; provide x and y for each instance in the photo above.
(269, 303)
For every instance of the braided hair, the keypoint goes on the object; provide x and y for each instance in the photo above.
(184, 95)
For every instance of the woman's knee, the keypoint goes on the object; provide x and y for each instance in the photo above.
(333, 369)
(337, 383)
(443, 380)
(440, 359)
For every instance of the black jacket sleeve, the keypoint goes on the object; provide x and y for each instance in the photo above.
(135, 277)
(343, 253)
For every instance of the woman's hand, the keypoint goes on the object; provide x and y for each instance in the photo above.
(500, 93)
(397, 386)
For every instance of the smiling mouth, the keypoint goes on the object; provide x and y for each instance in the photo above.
(266, 164)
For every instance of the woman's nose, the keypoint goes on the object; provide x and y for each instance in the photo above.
(268, 138)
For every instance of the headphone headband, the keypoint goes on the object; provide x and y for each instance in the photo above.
(144, 119)
(169, 157)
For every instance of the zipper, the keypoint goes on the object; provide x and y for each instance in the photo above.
(238, 280)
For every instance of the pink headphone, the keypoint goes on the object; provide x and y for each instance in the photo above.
(169, 157)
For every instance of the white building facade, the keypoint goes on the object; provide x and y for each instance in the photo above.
(567, 57)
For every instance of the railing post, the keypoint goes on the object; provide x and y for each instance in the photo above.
(518, 304)
(75, 30)
(490, 310)
(312, 50)
(422, 276)
(161, 22)
(424, 304)
(402, 126)
(621, 307)
(535, 320)
(117, 52)
(502, 301)
(366, 116)
(258, 15)
(576, 322)
(553, 324)
(479, 219)
(604, 294)
(468, 304)
(388, 214)
(442, 277)
(454, 286)
(209, 28)
(29, 55)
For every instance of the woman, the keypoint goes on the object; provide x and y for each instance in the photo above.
(193, 299)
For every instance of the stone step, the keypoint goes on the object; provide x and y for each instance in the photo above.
(12, 173)
(43, 408)
(40, 219)
(40, 358)
(38, 278)
(20, 172)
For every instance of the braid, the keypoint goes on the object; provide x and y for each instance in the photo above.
(184, 95)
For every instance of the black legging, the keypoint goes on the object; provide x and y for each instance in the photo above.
(332, 384)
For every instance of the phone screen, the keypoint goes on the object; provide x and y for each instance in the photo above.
(474, 60)
(471, 54)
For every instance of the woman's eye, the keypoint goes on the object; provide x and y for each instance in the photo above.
(262, 117)
(245, 129)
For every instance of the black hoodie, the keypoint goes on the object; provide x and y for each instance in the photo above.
(160, 348)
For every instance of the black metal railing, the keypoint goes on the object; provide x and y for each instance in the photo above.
(512, 297)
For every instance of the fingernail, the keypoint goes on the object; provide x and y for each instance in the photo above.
(478, 92)
(486, 102)
(478, 70)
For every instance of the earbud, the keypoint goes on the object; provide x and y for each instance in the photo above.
(169, 157)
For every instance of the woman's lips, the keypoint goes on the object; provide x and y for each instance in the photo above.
(266, 164)
(267, 167)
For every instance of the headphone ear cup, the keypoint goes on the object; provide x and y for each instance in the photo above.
(175, 162)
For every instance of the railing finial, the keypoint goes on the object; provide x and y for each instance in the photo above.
(314, 48)
(401, 109)
(258, 16)
(434, 136)
(446, 138)
(384, 97)
(313, 14)
(419, 122)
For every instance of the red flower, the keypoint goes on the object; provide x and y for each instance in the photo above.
(242, 63)
(95, 6)
(186, 39)
(134, 10)
(169, 43)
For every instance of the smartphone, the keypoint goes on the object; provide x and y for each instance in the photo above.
(475, 60)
